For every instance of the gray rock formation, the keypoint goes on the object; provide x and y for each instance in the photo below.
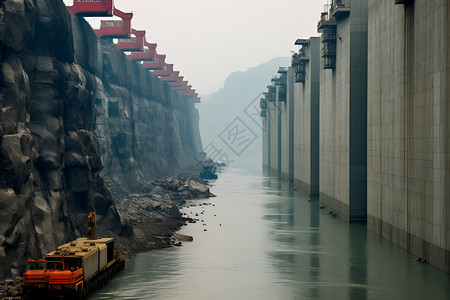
(144, 129)
(74, 110)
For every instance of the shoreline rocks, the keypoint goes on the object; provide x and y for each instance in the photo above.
(183, 237)
(187, 188)
(11, 288)
(155, 215)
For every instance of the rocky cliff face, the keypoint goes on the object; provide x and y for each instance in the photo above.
(144, 129)
(74, 111)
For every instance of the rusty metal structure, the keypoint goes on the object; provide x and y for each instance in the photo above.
(92, 225)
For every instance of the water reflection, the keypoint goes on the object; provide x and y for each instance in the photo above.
(266, 240)
(326, 258)
(314, 266)
(358, 261)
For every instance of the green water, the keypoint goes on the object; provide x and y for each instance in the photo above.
(265, 240)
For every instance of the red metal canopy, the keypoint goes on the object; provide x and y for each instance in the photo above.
(182, 85)
(176, 83)
(114, 28)
(153, 65)
(158, 64)
(167, 71)
(148, 54)
(135, 43)
(187, 93)
(99, 8)
(174, 77)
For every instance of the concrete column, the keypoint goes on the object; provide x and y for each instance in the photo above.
(343, 117)
(290, 104)
(306, 119)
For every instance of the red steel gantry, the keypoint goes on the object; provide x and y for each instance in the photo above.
(104, 8)
(135, 43)
(180, 85)
(166, 71)
(116, 28)
(122, 30)
(158, 64)
(173, 78)
(92, 8)
(147, 55)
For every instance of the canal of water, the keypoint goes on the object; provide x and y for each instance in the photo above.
(262, 239)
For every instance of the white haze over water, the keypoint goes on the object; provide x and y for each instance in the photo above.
(207, 40)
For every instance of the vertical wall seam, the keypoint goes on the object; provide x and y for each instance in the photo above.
(405, 125)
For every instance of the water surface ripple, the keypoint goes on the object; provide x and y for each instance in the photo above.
(266, 240)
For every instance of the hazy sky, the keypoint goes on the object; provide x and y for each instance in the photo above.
(206, 40)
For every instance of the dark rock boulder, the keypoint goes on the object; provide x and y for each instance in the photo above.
(21, 13)
(15, 167)
(174, 212)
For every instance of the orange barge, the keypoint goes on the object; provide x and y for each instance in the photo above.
(74, 270)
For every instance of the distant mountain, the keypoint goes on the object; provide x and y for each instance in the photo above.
(228, 118)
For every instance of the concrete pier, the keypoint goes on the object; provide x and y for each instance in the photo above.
(343, 104)
(286, 86)
(265, 135)
(306, 115)
(274, 131)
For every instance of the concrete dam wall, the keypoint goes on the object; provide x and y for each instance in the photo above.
(374, 129)
(74, 113)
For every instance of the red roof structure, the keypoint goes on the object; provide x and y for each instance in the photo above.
(182, 85)
(167, 71)
(92, 8)
(135, 43)
(147, 55)
(177, 83)
(158, 64)
(115, 28)
(173, 78)
(153, 65)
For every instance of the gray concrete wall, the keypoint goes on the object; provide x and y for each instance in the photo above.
(315, 112)
(265, 142)
(306, 123)
(409, 127)
(280, 111)
(291, 104)
(274, 137)
(358, 110)
(343, 104)
(287, 129)
(334, 109)
(302, 138)
(284, 128)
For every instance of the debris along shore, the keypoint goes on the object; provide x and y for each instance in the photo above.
(155, 214)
